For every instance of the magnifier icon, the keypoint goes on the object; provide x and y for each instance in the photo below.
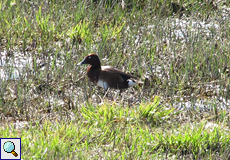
(9, 147)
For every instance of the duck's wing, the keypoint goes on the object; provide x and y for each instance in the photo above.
(124, 76)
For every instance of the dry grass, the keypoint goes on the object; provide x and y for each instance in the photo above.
(181, 52)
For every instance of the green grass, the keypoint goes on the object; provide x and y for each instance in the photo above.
(121, 132)
(181, 111)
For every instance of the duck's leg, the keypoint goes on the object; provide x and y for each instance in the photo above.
(120, 92)
(105, 92)
(90, 88)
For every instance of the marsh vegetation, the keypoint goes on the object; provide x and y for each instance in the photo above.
(180, 49)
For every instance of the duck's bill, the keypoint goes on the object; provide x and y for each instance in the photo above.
(81, 63)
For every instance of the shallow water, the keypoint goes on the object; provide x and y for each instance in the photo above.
(16, 65)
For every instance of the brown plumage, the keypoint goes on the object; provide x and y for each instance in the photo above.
(107, 76)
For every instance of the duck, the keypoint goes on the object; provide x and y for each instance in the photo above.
(108, 76)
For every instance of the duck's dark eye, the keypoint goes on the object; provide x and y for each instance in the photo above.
(89, 57)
